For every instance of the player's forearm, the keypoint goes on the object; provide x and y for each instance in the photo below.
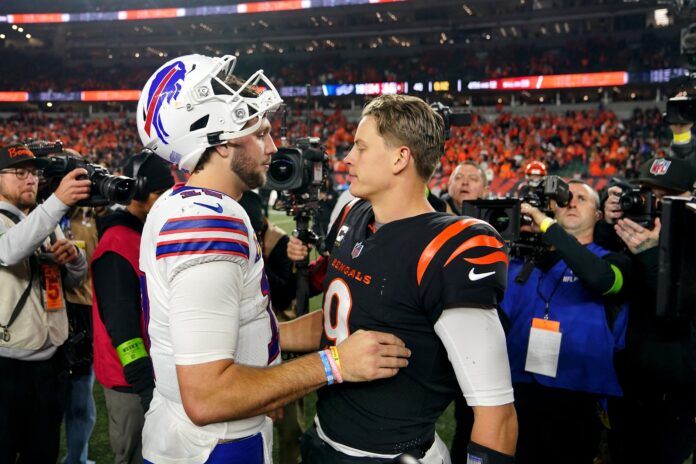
(495, 427)
(302, 334)
(226, 391)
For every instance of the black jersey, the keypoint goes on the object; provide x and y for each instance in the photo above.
(399, 280)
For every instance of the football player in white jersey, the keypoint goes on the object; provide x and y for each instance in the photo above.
(215, 343)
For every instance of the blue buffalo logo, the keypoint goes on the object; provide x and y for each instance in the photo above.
(165, 87)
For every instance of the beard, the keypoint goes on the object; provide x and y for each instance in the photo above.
(247, 169)
(23, 201)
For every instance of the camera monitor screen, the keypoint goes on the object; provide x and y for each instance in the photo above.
(503, 215)
(676, 282)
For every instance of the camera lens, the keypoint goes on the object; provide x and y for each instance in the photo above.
(281, 170)
(117, 189)
(631, 201)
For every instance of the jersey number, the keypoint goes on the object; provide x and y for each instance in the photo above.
(337, 305)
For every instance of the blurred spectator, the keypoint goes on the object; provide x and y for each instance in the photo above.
(121, 356)
(79, 225)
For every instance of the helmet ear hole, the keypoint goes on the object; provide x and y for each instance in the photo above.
(200, 123)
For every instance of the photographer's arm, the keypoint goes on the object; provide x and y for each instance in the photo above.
(22, 240)
(303, 334)
(19, 242)
(604, 275)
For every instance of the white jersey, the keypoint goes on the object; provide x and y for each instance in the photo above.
(188, 231)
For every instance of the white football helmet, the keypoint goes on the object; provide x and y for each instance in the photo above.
(186, 107)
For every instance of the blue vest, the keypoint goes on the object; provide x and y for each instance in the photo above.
(586, 360)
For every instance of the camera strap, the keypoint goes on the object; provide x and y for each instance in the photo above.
(4, 329)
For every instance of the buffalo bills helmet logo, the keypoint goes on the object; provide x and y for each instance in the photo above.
(164, 88)
(660, 167)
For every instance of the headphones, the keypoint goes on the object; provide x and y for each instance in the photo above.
(141, 191)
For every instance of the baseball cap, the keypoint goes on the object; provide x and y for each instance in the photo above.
(670, 173)
(157, 172)
(18, 153)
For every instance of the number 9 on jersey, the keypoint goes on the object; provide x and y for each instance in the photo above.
(337, 305)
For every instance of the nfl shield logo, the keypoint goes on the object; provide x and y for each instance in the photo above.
(357, 249)
(660, 167)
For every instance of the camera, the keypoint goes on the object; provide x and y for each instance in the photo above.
(299, 174)
(298, 168)
(106, 188)
(682, 109)
(550, 188)
(505, 215)
(450, 118)
(640, 205)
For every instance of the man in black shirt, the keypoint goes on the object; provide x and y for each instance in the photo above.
(656, 419)
(433, 280)
(121, 361)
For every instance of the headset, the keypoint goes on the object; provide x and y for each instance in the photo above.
(141, 192)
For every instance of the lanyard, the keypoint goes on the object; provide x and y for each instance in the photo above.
(547, 301)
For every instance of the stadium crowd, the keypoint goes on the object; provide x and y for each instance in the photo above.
(593, 143)
(179, 287)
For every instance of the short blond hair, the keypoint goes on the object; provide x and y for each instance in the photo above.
(406, 120)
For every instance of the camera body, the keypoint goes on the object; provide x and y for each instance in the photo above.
(505, 215)
(106, 188)
(549, 188)
(298, 168)
(299, 174)
(640, 205)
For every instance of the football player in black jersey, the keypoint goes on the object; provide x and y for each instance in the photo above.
(432, 279)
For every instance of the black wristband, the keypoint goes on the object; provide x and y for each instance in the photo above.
(478, 454)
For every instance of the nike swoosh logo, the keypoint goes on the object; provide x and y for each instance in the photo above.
(474, 276)
(217, 209)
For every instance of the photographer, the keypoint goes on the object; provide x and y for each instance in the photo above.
(35, 262)
(683, 144)
(655, 419)
(567, 320)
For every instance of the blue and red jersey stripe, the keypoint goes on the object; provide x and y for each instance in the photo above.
(202, 246)
(204, 224)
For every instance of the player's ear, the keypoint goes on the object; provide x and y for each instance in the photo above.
(223, 150)
(401, 158)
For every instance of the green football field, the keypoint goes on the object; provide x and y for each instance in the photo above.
(100, 450)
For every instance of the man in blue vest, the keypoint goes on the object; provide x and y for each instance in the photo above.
(567, 319)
